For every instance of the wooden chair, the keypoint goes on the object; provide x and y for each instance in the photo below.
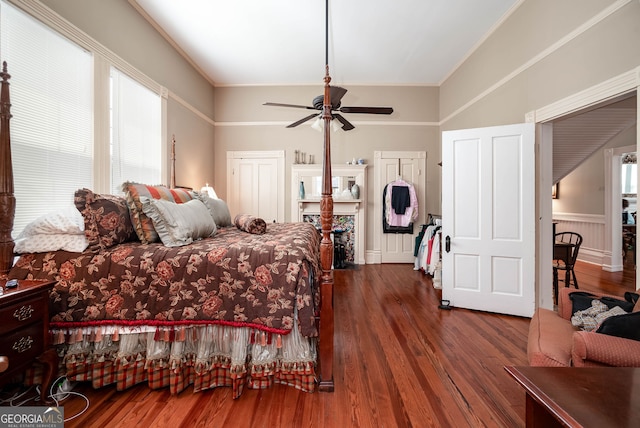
(565, 254)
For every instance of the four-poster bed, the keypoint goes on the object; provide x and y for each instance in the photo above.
(170, 335)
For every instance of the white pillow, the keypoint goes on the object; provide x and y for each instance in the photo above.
(57, 230)
(179, 224)
(65, 221)
(45, 242)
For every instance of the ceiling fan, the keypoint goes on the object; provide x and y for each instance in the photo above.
(335, 97)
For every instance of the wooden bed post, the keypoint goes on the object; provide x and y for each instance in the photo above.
(172, 181)
(7, 199)
(326, 250)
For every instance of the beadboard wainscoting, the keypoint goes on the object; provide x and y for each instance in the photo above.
(591, 227)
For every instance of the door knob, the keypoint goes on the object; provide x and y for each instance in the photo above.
(447, 243)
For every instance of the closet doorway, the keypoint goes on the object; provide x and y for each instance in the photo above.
(411, 167)
(255, 184)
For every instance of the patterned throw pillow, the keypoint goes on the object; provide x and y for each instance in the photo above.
(250, 224)
(141, 222)
(106, 219)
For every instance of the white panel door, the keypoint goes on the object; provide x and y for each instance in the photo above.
(256, 184)
(488, 219)
(399, 247)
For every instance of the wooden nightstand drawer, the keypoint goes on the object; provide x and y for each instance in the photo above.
(21, 314)
(23, 345)
(24, 332)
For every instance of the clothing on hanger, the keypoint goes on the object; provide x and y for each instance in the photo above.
(398, 213)
(386, 207)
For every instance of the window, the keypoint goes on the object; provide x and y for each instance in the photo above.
(136, 149)
(52, 124)
(629, 176)
(62, 107)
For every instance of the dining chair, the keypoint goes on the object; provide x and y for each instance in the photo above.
(565, 253)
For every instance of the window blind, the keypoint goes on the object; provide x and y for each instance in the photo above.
(52, 124)
(136, 132)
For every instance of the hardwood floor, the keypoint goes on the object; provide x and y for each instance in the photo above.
(400, 362)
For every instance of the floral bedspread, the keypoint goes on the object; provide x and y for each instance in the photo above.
(234, 278)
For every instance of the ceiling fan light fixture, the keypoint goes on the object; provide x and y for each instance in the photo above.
(317, 124)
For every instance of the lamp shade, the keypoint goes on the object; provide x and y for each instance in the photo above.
(208, 190)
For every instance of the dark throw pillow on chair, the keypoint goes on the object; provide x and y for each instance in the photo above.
(581, 300)
(627, 326)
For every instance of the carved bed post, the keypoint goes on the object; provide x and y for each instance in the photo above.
(326, 250)
(7, 199)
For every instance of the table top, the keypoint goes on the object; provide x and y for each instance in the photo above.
(585, 396)
(25, 287)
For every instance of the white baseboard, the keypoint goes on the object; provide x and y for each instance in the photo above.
(590, 255)
(373, 257)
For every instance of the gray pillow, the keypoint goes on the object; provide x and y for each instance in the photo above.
(179, 224)
(218, 209)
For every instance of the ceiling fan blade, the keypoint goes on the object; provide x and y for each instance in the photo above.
(336, 93)
(346, 125)
(368, 110)
(303, 120)
(288, 105)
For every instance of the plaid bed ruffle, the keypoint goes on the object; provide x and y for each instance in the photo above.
(199, 360)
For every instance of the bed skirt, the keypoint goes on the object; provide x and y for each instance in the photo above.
(205, 356)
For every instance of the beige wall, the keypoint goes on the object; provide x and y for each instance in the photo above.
(520, 68)
(243, 123)
(116, 25)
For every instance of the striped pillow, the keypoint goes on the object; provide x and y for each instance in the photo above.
(141, 222)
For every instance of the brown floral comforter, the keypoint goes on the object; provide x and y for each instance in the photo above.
(235, 278)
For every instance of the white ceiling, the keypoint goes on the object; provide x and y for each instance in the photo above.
(268, 42)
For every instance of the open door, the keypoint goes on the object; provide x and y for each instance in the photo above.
(488, 219)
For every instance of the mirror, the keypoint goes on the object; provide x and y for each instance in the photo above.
(629, 182)
(341, 186)
(629, 179)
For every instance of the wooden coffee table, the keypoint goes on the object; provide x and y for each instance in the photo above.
(580, 396)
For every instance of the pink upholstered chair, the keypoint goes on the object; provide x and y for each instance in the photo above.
(554, 342)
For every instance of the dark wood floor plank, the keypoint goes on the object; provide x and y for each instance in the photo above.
(399, 362)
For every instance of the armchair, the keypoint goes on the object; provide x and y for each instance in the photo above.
(554, 342)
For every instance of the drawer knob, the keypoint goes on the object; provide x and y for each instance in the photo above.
(24, 313)
(4, 363)
(22, 345)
